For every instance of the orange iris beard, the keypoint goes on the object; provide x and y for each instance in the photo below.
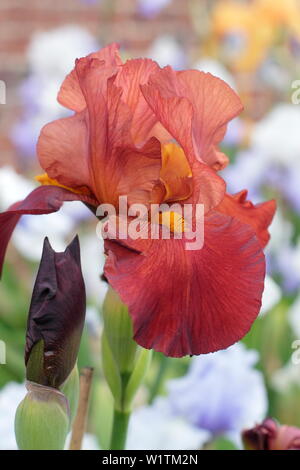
(152, 134)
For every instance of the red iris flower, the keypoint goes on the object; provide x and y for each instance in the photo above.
(152, 134)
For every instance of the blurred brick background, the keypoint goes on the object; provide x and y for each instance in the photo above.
(108, 20)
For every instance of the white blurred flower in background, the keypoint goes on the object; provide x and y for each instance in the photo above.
(10, 397)
(13, 187)
(53, 53)
(276, 136)
(156, 428)
(281, 231)
(271, 295)
(92, 261)
(286, 377)
(166, 50)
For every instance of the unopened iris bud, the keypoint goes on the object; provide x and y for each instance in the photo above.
(42, 419)
(56, 316)
(54, 329)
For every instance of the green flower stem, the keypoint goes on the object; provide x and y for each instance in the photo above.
(119, 430)
(125, 364)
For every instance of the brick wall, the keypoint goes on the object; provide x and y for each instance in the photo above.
(109, 20)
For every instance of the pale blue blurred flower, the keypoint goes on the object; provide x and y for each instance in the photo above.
(272, 159)
(151, 8)
(282, 254)
(290, 186)
(235, 133)
(287, 264)
(91, 2)
(38, 95)
(246, 172)
(222, 392)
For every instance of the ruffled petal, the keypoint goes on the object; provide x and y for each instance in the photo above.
(195, 108)
(117, 166)
(259, 216)
(171, 107)
(63, 151)
(208, 187)
(131, 75)
(70, 94)
(94, 149)
(190, 302)
(42, 200)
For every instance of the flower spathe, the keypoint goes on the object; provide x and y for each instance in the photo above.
(152, 134)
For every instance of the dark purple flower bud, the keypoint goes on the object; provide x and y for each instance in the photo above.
(56, 316)
(271, 436)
